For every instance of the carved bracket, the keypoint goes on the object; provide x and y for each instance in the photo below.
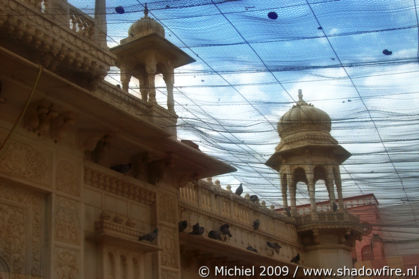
(44, 118)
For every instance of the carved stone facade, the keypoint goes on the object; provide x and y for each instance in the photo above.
(22, 228)
(67, 263)
(67, 221)
(68, 177)
(68, 212)
(26, 161)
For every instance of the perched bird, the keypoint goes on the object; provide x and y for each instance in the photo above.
(334, 207)
(150, 236)
(288, 211)
(225, 229)
(296, 259)
(215, 235)
(250, 248)
(254, 198)
(183, 225)
(274, 246)
(256, 224)
(122, 168)
(197, 229)
(239, 190)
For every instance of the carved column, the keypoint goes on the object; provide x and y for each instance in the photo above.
(150, 69)
(338, 182)
(330, 186)
(169, 79)
(100, 23)
(284, 190)
(311, 191)
(125, 78)
(292, 186)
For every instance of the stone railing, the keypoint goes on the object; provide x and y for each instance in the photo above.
(328, 219)
(130, 104)
(212, 206)
(57, 35)
(81, 23)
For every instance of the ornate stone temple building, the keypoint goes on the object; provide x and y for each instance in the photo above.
(95, 184)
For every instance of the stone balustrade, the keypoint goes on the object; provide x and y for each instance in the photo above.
(211, 206)
(57, 35)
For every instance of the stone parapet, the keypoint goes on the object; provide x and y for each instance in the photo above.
(56, 35)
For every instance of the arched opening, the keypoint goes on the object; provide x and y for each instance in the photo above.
(322, 192)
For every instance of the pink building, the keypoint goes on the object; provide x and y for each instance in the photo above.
(393, 238)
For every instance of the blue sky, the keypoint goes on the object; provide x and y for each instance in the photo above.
(249, 69)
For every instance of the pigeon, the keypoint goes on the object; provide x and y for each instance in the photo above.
(197, 229)
(215, 235)
(254, 198)
(288, 211)
(122, 168)
(250, 248)
(150, 236)
(182, 225)
(334, 207)
(225, 229)
(274, 246)
(239, 190)
(296, 259)
(256, 224)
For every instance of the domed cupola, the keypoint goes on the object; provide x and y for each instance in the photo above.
(306, 153)
(303, 117)
(145, 26)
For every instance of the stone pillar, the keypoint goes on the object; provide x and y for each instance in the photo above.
(311, 191)
(100, 23)
(169, 79)
(125, 78)
(150, 70)
(330, 186)
(338, 182)
(292, 186)
(284, 190)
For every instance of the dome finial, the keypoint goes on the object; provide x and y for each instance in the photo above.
(145, 10)
(300, 95)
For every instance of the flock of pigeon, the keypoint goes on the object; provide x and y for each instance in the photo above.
(222, 233)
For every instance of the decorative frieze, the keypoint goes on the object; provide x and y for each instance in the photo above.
(117, 186)
(68, 178)
(25, 161)
(21, 226)
(67, 263)
(168, 208)
(169, 245)
(67, 221)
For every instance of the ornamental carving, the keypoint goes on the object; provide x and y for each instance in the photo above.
(12, 236)
(21, 226)
(168, 208)
(59, 37)
(117, 186)
(68, 178)
(67, 263)
(67, 221)
(23, 160)
(168, 243)
(168, 274)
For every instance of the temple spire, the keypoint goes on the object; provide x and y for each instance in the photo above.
(300, 95)
(145, 10)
